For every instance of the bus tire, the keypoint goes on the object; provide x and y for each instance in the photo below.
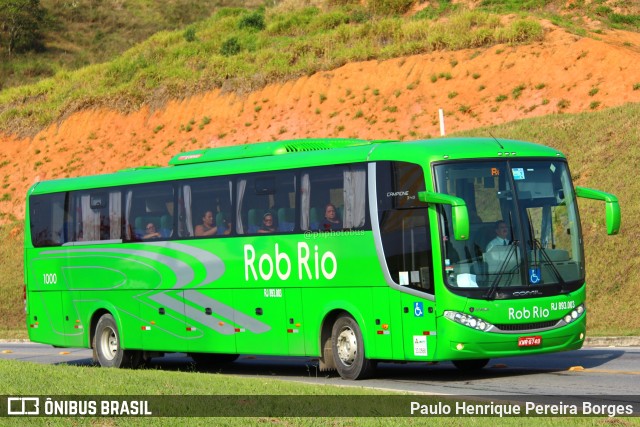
(470, 364)
(106, 346)
(348, 350)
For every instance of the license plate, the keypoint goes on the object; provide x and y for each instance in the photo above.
(529, 341)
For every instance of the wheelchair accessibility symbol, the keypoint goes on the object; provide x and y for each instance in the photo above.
(534, 275)
(418, 310)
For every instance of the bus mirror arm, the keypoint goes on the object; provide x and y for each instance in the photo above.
(459, 212)
(612, 207)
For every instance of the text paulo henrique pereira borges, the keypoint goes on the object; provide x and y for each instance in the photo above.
(527, 409)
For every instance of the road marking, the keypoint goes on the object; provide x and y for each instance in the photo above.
(602, 371)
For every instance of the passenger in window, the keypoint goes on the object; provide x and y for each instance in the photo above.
(223, 224)
(331, 220)
(151, 232)
(501, 235)
(267, 224)
(207, 228)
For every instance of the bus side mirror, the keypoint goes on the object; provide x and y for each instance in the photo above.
(612, 207)
(459, 212)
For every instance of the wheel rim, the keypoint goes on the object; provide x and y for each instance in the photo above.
(108, 343)
(347, 346)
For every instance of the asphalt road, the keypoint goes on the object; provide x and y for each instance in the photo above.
(601, 371)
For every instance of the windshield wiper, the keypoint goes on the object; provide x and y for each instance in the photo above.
(503, 269)
(538, 245)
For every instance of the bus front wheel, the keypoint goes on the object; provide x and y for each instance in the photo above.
(348, 350)
(106, 346)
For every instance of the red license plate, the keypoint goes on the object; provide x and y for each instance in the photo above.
(529, 341)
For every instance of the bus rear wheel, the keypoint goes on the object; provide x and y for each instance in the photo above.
(470, 364)
(348, 350)
(106, 346)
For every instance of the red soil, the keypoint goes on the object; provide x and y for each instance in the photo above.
(372, 100)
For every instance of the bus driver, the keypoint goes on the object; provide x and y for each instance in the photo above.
(501, 235)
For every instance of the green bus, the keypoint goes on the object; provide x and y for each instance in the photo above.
(347, 250)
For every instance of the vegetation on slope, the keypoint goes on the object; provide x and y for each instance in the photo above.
(65, 35)
(237, 49)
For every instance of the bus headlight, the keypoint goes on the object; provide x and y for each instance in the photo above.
(574, 314)
(468, 320)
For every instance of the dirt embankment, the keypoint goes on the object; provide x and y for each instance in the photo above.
(397, 98)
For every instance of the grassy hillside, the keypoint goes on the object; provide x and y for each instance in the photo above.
(240, 50)
(83, 32)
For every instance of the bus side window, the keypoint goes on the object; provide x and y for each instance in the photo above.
(404, 225)
(148, 204)
(47, 219)
(334, 198)
(271, 197)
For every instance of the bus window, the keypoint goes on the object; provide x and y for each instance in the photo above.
(334, 198)
(266, 196)
(146, 205)
(96, 215)
(404, 225)
(48, 220)
(209, 197)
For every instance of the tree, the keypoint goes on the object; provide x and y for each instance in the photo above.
(20, 24)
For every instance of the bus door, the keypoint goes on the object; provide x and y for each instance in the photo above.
(407, 250)
(418, 327)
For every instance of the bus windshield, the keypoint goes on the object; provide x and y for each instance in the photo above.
(525, 237)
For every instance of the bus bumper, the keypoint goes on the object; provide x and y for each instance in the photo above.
(458, 342)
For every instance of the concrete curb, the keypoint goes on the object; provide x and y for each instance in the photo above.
(612, 342)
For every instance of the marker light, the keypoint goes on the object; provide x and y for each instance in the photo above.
(468, 320)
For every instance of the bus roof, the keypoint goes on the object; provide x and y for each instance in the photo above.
(303, 153)
(264, 149)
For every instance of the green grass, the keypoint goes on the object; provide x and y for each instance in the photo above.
(25, 378)
(84, 32)
(12, 318)
(127, 53)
